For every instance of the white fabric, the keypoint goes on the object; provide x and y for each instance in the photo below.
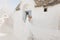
(6, 22)
(6, 26)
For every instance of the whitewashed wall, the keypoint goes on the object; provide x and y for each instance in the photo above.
(38, 27)
(44, 24)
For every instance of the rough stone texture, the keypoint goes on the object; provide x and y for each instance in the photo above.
(46, 2)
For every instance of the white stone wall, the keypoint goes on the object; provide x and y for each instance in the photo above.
(44, 25)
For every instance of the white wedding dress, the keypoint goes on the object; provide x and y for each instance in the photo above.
(6, 26)
(6, 23)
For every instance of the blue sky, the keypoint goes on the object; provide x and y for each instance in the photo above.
(11, 3)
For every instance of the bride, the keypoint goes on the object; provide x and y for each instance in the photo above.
(33, 23)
